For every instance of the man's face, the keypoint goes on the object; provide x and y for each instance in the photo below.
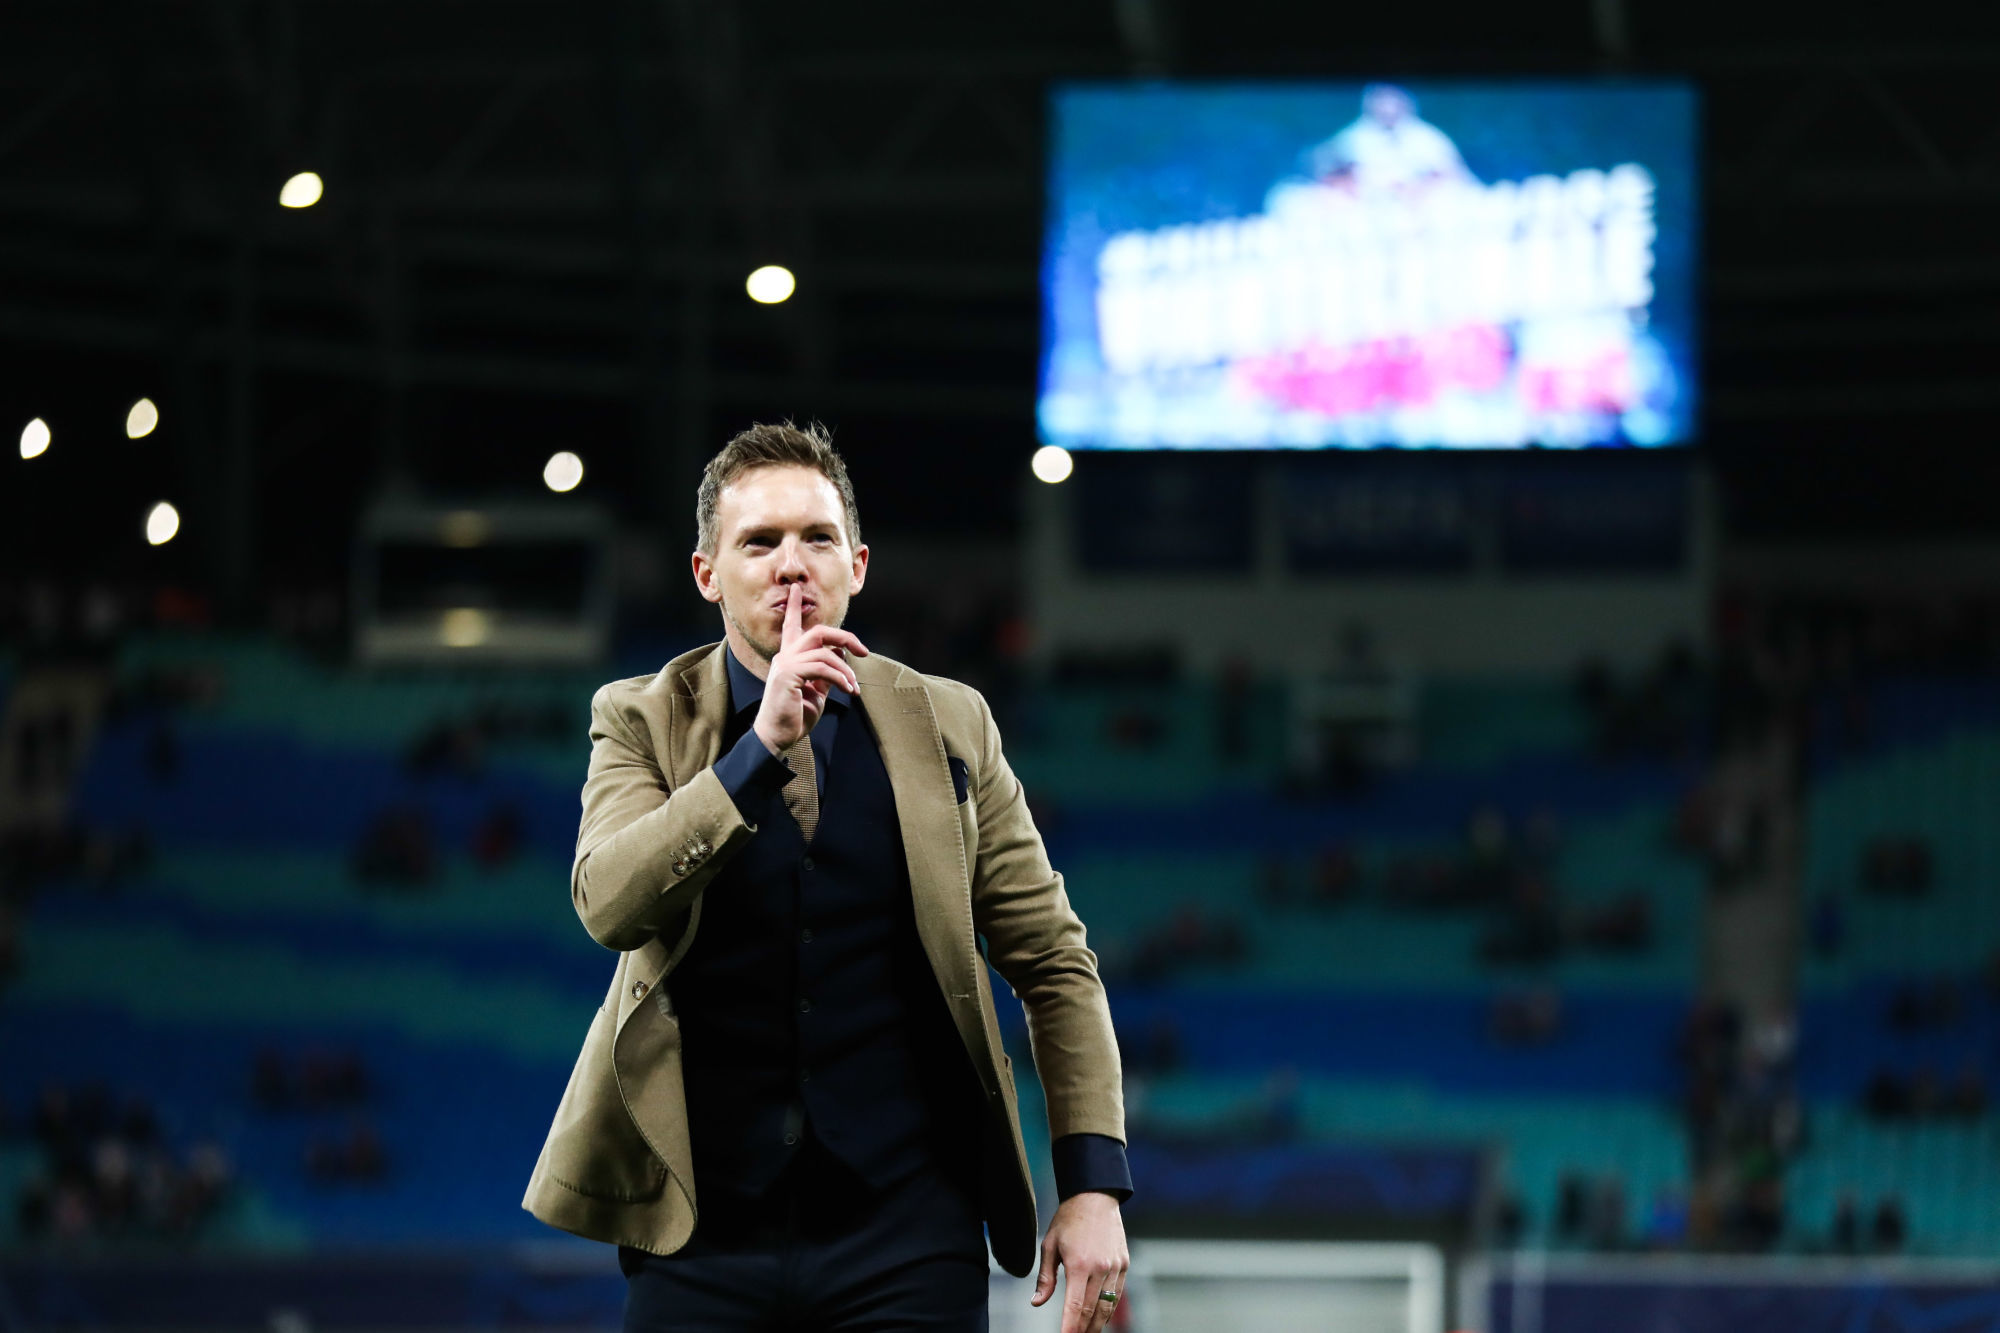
(777, 526)
(1386, 106)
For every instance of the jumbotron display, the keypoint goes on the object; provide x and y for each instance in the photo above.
(1366, 265)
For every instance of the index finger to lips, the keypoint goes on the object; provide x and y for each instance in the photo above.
(792, 614)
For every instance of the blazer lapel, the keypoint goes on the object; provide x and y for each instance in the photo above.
(697, 711)
(700, 709)
(899, 708)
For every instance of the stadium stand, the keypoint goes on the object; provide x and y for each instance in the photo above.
(1370, 947)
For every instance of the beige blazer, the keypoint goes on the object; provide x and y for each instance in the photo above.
(656, 828)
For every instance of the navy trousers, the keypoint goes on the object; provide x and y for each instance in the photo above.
(819, 1252)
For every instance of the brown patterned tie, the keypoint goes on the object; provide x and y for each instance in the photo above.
(802, 792)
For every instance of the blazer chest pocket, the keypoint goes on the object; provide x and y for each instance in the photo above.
(961, 778)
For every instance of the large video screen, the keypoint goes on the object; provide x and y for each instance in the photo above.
(1420, 264)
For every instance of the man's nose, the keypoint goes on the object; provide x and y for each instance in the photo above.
(791, 568)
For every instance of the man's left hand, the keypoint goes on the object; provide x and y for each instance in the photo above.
(1087, 1238)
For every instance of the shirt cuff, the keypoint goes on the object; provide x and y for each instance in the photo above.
(752, 775)
(1091, 1162)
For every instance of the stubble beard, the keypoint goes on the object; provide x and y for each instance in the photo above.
(768, 649)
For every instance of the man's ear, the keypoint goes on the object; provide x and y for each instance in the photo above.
(705, 580)
(860, 570)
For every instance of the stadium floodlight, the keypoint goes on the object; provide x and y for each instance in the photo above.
(562, 472)
(771, 284)
(35, 438)
(162, 523)
(302, 190)
(142, 419)
(1052, 463)
(465, 627)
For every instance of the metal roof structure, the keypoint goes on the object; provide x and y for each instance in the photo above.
(538, 217)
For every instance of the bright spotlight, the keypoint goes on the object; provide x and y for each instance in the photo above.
(162, 523)
(142, 419)
(562, 472)
(770, 284)
(302, 190)
(465, 627)
(35, 438)
(1052, 463)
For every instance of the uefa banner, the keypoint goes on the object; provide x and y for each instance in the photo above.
(1350, 265)
(1528, 1293)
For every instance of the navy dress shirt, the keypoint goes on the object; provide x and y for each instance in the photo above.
(892, 1077)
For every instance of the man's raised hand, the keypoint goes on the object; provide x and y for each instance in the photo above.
(807, 665)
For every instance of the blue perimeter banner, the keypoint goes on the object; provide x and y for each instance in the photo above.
(1873, 1299)
(1430, 264)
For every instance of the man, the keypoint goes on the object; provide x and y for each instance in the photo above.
(792, 1110)
(1387, 148)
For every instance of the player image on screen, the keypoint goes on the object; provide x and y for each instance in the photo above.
(1388, 147)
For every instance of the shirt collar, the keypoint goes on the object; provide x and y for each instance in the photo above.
(747, 692)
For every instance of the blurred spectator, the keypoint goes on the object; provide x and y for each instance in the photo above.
(1423, 883)
(1510, 1220)
(455, 748)
(1606, 1228)
(322, 1079)
(1530, 931)
(1917, 1006)
(1658, 715)
(1622, 926)
(112, 1177)
(163, 753)
(1572, 1206)
(1335, 875)
(1891, 1228)
(497, 840)
(1531, 1017)
(32, 857)
(1844, 1236)
(311, 617)
(1899, 867)
(1828, 925)
(1760, 1215)
(1232, 710)
(1190, 938)
(1887, 1096)
(10, 942)
(1739, 840)
(397, 849)
(1666, 1221)
(1135, 729)
(1489, 854)
(1926, 1093)
(165, 689)
(354, 1157)
(270, 1082)
(1967, 1096)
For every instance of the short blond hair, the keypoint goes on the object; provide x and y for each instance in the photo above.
(781, 444)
